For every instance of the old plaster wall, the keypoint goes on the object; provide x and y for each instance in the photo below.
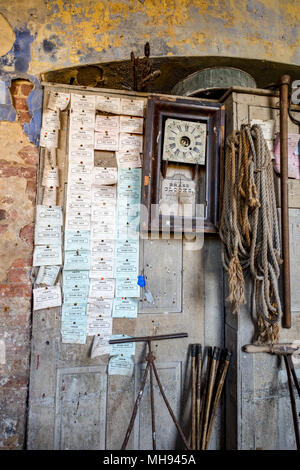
(41, 35)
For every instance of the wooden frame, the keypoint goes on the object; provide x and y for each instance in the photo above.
(211, 113)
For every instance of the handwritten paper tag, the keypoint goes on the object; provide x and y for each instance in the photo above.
(107, 123)
(49, 215)
(97, 306)
(51, 119)
(98, 324)
(107, 140)
(104, 176)
(47, 235)
(128, 159)
(131, 124)
(77, 260)
(125, 307)
(121, 365)
(132, 142)
(82, 155)
(49, 196)
(108, 104)
(82, 102)
(102, 288)
(46, 297)
(100, 346)
(132, 107)
(48, 255)
(47, 275)
(51, 177)
(49, 137)
(57, 100)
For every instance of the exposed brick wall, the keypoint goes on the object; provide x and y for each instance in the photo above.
(18, 166)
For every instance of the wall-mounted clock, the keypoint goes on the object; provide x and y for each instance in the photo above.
(183, 152)
(184, 141)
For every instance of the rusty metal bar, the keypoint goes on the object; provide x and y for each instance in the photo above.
(152, 401)
(284, 84)
(136, 405)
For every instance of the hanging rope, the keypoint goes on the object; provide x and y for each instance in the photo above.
(249, 229)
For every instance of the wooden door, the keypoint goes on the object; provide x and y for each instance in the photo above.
(73, 402)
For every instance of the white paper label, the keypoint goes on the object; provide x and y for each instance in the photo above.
(128, 159)
(47, 275)
(108, 104)
(132, 107)
(131, 124)
(107, 123)
(82, 102)
(49, 235)
(102, 288)
(51, 119)
(49, 196)
(82, 119)
(81, 138)
(58, 100)
(100, 346)
(132, 142)
(107, 140)
(121, 365)
(49, 137)
(104, 176)
(99, 307)
(49, 215)
(51, 177)
(47, 255)
(46, 297)
(81, 155)
(98, 324)
(102, 194)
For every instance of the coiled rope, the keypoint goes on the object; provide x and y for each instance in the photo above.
(249, 229)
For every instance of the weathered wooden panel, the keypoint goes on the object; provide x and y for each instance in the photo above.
(80, 416)
(161, 262)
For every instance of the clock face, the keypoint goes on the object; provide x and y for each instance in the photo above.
(184, 142)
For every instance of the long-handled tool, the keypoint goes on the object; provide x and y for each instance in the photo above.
(206, 381)
(193, 407)
(285, 350)
(219, 384)
(198, 393)
(150, 367)
(211, 380)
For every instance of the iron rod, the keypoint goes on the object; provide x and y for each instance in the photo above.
(148, 338)
(293, 403)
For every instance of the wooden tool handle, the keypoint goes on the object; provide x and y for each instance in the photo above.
(281, 348)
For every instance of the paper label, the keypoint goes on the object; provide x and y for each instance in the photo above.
(73, 330)
(122, 349)
(103, 210)
(108, 104)
(121, 365)
(102, 288)
(133, 142)
(47, 255)
(131, 124)
(128, 208)
(98, 324)
(102, 307)
(125, 248)
(51, 119)
(49, 137)
(127, 266)
(81, 155)
(105, 247)
(132, 107)
(78, 200)
(128, 159)
(51, 177)
(81, 138)
(125, 307)
(80, 188)
(76, 294)
(103, 265)
(74, 311)
(82, 102)
(127, 287)
(104, 176)
(47, 275)
(77, 260)
(82, 119)
(77, 170)
(46, 297)
(107, 123)
(76, 220)
(100, 346)
(58, 100)
(103, 228)
(77, 240)
(49, 215)
(49, 197)
(107, 140)
(71, 278)
(47, 235)
(128, 177)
